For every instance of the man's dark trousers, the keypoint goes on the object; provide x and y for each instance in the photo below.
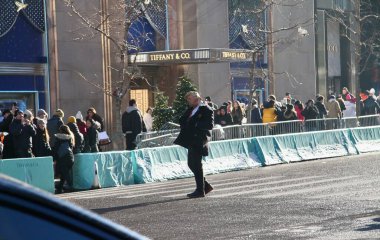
(194, 161)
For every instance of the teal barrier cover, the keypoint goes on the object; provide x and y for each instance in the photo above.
(304, 146)
(158, 164)
(162, 163)
(37, 172)
(231, 155)
(366, 139)
(113, 169)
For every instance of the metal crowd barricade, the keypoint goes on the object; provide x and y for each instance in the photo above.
(285, 127)
(166, 137)
(163, 140)
(255, 130)
(350, 122)
(367, 121)
(168, 128)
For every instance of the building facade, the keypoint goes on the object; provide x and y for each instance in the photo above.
(50, 60)
(24, 77)
(311, 54)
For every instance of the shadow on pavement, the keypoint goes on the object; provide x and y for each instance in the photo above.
(112, 209)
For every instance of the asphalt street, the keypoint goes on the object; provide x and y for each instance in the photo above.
(337, 198)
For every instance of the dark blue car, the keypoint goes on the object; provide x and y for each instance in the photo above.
(29, 213)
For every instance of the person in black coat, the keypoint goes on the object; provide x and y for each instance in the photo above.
(91, 114)
(322, 111)
(224, 118)
(79, 139)
(22, 131)
(41, 147)
(370, 106)
(290, 114)
(63, 154)
(281, 114)
(196, 125)
(256, 116)
(237, 113)
(132, 124)
(8, 151)
(91, 139)
(53, 125)
(310, 112)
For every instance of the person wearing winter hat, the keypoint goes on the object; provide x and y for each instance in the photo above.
(79, 115)
(63, 152)
(42, 114)
(71, 119)
(53, 125)
(78, 136)
(372, 93)
(80, 123)
(370, 106)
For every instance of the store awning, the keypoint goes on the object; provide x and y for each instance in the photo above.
(192, 56)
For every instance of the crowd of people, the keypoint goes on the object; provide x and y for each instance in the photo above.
(272, 110)
(25, 135)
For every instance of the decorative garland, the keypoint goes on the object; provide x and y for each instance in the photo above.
(34, 12)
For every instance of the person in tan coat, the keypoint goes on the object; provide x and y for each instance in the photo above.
(333, 108)
(334, 112)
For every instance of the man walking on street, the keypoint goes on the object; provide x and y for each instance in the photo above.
(196, 125)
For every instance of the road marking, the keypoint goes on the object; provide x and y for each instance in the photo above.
(134, 194)
(256, 185)
(137, 192)
(314, 189)
(342, 193)
(283, 187)
(136, 187)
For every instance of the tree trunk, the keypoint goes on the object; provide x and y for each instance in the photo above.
(252, 88)
(118, 139)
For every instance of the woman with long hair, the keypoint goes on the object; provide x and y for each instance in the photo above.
(63, 151)
(91, 139)
(237, 113)
(41, 146)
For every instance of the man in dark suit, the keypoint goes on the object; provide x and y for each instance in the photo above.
(196, 125)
